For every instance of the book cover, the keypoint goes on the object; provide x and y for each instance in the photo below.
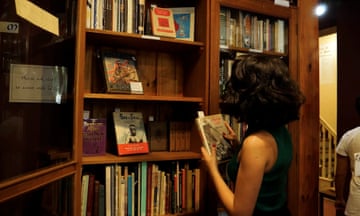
(94, 136)
(211, 129)
(130, 133)
(184, 18)
(162, 22)
(158, 135)
(121, 73)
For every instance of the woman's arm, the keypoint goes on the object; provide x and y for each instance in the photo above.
(254, 161)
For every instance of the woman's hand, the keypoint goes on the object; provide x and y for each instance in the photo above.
(231, 136)
(210, 160)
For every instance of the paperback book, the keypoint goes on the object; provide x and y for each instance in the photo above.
(94, 136)
(184, 18)
(130, 133)
(211, 129)
(162, 22)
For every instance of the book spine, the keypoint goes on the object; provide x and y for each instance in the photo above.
(84, 193)
(129, 195)
(90, 195)
(144, 168)
(141, 15)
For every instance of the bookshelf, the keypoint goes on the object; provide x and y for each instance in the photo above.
(174, 76)
(295, 48)
(27, 183)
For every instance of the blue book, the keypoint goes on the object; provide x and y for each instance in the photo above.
(143, 188)
(130, 195)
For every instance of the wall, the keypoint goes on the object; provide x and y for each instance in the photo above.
(328, 79)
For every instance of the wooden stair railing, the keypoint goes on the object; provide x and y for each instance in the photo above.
(327, 157)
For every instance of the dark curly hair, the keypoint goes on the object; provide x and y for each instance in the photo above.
(261, 93)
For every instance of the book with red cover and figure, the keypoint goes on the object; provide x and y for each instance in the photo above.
(130, 133)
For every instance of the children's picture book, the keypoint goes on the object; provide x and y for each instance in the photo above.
(162, 22)
(130, 133)
(211, 129)
(184, 18)
(121, 72)
(94, 136)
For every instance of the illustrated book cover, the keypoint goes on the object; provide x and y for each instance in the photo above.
(130, 133)
(162, 22)
(211, 129)
(94, 136)
(184, 18)
(121, 72)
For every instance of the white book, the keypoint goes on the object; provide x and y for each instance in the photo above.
(84, 193)
(115, 14)
(108, 190)
(130, 15)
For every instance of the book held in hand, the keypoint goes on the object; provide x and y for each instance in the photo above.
(94, 136)
(121, 72)
(130, 133)
(211, 129)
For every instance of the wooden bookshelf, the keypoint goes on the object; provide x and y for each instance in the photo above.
(174, 75)
(196, 60)
(297, 44)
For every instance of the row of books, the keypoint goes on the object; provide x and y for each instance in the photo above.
(116, 15)
(132, 137)
(242, 29)
(132, 16)
(142, 188)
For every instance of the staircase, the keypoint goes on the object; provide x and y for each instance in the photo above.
(327, 157)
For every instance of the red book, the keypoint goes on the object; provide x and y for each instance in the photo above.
(162, 22)
(91, 193)
(130, 133)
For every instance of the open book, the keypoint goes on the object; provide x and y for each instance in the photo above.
(211, 129)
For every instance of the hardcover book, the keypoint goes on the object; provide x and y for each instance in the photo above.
(184, 18)
(141, 16)
(158, 135)
(130, 133)
(211, 129)
(162, 22)
(94, 136)
(121, 72)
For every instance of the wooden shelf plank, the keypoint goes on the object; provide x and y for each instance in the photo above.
(142, 97)
(128, 40)
(153, 156)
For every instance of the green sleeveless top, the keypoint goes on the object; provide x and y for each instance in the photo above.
(273, 189)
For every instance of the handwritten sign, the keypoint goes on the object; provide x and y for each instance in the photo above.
(37, 83)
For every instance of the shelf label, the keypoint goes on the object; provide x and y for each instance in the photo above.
(150, 37)
(9, 27)
(284, 3)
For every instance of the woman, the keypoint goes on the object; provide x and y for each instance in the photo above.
(260, 93)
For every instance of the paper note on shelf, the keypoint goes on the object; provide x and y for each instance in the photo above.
(37, 16)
